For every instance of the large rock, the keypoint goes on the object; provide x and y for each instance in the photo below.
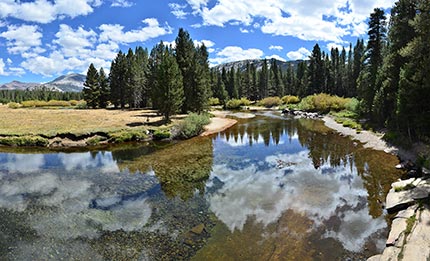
(418, 242)
(398, 227)
(400, 200)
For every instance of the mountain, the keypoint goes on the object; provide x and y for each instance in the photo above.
(17, 85)
(66, 83)
(258, 64)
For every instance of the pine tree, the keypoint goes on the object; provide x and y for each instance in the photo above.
(263, 85)
(185, 54)
(414, 88)
(168, 90)
(91, 90)
(316, 80)
(400, 34)
(117, 79)
(104, 89)
(368, 79)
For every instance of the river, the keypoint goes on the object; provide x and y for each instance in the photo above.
(269, 188)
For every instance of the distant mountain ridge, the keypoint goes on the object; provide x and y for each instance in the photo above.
(73, 82)
(258, 63)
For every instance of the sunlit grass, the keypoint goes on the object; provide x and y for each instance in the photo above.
(50, 122)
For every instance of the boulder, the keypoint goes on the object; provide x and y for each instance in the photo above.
(397, 201)
(417, 243)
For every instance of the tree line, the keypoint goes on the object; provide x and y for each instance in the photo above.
(41, 94)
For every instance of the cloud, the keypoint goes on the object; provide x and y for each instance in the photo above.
(300, 54)
(277, 57)
(43, 11)
(207, 43)
(309, 20)
(73, 42)
(116, 32)
(121, 3)
(235, 53)
(276, 47)
(178, 10)
(21, 39)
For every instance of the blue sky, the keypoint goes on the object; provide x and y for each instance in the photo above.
(42, 39)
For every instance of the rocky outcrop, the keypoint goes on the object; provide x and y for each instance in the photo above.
(409, 238)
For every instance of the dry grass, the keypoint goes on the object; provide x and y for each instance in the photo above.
(50, 122)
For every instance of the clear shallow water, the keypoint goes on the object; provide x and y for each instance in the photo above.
(268, 188)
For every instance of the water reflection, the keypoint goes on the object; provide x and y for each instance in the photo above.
(182, 169)
(269, 167)
(268, 188)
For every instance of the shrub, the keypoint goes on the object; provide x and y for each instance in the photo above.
(290, 99)
(324, 103)
(214, 101)
(81, 105)
(353, 105)
(33, 103)
(193, 125)
(161, 134)
(13, 105)
(56, 103)
(270, 102)
(73, 102)
(235, 104)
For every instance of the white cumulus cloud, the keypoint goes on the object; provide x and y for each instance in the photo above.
(235, 53)
(309, 20)
(43, 11)
(116, 33)
(300, 54)
(21, 39)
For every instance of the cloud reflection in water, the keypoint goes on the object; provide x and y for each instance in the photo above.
(321, 194)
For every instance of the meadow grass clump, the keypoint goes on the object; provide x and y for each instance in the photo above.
(26, 141)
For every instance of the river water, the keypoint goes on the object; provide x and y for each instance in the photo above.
(269, 188)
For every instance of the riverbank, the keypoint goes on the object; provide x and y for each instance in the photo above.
(410, 230)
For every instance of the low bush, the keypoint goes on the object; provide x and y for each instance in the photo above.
(214, 101)
(270, 102)
(324, 103)
(81, 105)
(13, 105)
(235, 104)
(161, 134)
(290, 99)
(193, 125)
(51, 103)
(56, 103)
(26, 141)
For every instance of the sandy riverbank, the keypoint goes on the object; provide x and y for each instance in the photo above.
(218, 123)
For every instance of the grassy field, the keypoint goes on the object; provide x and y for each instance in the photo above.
(50, 122)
